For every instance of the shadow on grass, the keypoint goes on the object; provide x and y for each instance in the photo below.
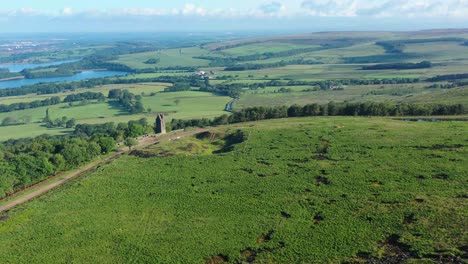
(115, 105)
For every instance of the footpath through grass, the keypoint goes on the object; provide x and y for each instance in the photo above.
(313, 190)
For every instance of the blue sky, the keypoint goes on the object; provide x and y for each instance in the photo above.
(215, 15)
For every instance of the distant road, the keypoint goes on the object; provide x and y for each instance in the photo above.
(47, 185)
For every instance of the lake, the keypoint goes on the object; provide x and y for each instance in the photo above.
(17, 67)
(85, 75)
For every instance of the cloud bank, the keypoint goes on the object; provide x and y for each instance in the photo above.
(330, 8)
(294, 13)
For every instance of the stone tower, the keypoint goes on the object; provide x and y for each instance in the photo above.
(160, 124)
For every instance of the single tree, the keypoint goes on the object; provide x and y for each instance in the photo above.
(130, 142)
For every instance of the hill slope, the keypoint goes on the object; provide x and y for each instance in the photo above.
(282, 191)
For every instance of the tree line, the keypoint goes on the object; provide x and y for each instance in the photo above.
(50, 101)
(399, 66)
(448, 77)
(27, 105)
(249, 66)
(27, 161)
(330, 109)
(398, 46)
(5, 73)
(220, 61)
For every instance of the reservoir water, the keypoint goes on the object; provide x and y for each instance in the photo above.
(17, 67)
(85, 75)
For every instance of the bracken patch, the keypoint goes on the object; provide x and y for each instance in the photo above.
(217, 259)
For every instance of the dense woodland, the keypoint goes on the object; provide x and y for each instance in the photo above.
(398, 46)
(28, 161)
(5, 74)
(399, 66)
(246, 67)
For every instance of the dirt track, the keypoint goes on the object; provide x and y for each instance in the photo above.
(46, 186)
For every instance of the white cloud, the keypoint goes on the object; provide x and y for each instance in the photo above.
(191, 9)
(67, 11)
(27, 11)
(272, 8)
(388, 8)
(281, 8)
(136, 12)
(336, 8)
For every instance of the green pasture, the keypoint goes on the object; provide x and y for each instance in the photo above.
(168, 58)
(259, 48)
(439, 51)
(180, 105)
(315, 190)
(154, 75)
(29, 130)
(395, 93)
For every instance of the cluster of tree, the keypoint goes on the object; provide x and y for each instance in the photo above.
(126, 47)
(28, 161)
(393, 57)
(152, 61)
(217, 61)
(59, 122)
(84, 96)
(330, 109)
(448, 77)
(246, 67)
(399, 66)
(118, 132)
(11, 121)
(41, 73)
(236, 45)
(398, 46)
(27, 105)
(68, 69)
(128, 100)
(442, 86)
(172, 69)
(284, 90)
(5, 74)
(178, 87)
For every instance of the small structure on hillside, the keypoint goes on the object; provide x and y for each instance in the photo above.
(160, 127)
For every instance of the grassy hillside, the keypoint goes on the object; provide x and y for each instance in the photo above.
(316, 189)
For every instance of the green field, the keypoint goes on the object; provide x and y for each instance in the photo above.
(190, 105)
(261, 48)
(167, 57)
(315, 190)
(395, 93)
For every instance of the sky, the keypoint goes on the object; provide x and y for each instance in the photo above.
(237, 15)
